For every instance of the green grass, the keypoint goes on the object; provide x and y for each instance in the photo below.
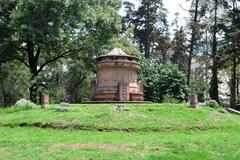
(147, 131)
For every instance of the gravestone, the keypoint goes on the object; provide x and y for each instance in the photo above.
(45, 100)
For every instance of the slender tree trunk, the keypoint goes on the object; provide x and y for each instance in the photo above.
(147, 49)
(237, 85)
(193, 41)
(214, 79)
(233, 82)
(147, 44)
(33, 92)
(234, 65)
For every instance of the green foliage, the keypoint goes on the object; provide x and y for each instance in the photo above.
(124, 42)
(159, 80)
(38, 33)
(77, 82)
(13, 83)
(199, 86)
(167, 98)
(179, 49)
(150, 25)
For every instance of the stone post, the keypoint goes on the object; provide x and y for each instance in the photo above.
(45, 100)
(194, 101)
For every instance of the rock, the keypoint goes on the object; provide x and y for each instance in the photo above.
(194, 101)
(212, 104)
(62, 109)
(64, 104)
(121, 107)
(24, 102)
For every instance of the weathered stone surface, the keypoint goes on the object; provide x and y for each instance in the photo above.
(64, 104)
(117, 78)
(24, 102)
(194, 101)
(122, 107)
(45, 100)
(62, 109)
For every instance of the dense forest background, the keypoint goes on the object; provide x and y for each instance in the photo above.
(49, 47)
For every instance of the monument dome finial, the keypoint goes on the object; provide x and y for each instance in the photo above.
(117, 52)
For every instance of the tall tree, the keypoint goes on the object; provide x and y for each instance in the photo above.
(38, 33)
(179, 50)
(230, 26)
(149, 22)
(178, 47)
(213, 91)
(193, 38)
(234, 36)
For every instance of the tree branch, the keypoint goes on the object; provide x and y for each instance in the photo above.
(37, 54)
(65, 54)
(21, 60)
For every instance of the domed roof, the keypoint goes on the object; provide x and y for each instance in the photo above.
(117, 52)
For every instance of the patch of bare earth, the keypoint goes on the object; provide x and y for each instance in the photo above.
(4, 153)
(105, 147)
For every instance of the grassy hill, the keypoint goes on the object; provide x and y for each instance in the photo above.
(144, 131)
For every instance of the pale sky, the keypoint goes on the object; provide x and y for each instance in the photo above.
(173, 6)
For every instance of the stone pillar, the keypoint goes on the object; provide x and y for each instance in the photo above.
(194, 101)
(123, 91)
(45, 100)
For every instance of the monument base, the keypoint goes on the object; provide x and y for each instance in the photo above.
(116, 102)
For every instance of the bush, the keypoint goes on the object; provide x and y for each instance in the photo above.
(199, 86)
(225, 104)
(160, 80)
(169, 99)
(212, 104)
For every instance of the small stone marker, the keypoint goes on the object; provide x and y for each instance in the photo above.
(62, 109)
(64, 104)
(45, 100)
(194, 101)
(121, 107)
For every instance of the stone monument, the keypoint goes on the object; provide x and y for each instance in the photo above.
(116, 78)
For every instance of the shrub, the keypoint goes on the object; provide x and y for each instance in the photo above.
(199, 86)
(225, 104)
(169, 99)
(162, 79)
(212, 104)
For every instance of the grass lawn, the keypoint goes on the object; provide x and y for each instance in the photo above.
(146, 131)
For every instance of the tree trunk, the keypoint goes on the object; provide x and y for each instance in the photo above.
(193, 39)
(33, 90)
(233, 83)
(33, 62)
(214, 79)
(147, 49)
(234, 65)
(237, 85)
